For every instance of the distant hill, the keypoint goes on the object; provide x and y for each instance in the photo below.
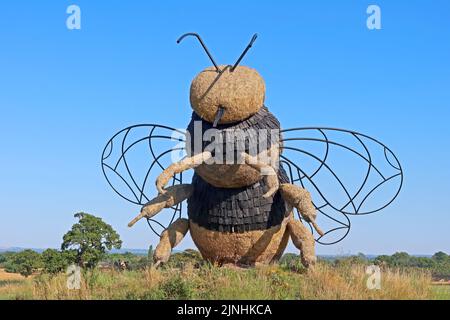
(18, 249)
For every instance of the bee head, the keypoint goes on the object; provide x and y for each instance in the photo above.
(231, 95)
(227, 93)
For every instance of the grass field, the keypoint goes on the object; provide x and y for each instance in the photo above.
(209, 282)
(10, 285)
(5, 276)
(441, 292)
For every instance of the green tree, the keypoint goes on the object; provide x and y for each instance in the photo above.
(400, 259)
(383, 260)
(440, 256)
(2, 259)
(5, 259)
(441, 268)
(55, 261)
(89, 239)
(25, 262)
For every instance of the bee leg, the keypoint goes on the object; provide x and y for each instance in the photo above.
(178, 167)
(267, 173)
(301, 199)
(170, 238)
(171, 197)
(304, 241)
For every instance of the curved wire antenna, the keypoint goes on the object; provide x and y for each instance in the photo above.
(203, 45)
(245, 52)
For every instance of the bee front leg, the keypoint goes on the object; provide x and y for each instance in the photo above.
(267, 173)
(171, 197)
(304, 241)
(178, 167)
(170, 238)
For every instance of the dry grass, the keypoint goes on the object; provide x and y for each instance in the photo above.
(100, 285)
(209, 282)
(14, 286)
(5, 276)
(350, 282)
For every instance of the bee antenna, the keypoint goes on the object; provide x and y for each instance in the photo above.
(203, 45)
(245, 52)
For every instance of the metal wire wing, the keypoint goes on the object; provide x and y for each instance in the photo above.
(347, 173)
(135, 156)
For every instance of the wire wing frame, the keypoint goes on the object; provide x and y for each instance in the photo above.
(132, 159)
(320, 160)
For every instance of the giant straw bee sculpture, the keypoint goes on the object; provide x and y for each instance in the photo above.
(241, 212)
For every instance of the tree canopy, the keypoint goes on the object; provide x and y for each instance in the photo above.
(25, 262)
(55, 261)
(89, 239)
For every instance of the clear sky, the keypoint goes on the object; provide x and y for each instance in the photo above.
(63, 93)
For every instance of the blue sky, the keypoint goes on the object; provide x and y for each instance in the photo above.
(64, 93)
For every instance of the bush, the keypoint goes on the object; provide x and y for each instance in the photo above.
(5, 257)
(2, 259)
(438, 264)
(181, 259)
(292, 262)
(177, 288)
(55, 261)
(130, 260)
(25, 263)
